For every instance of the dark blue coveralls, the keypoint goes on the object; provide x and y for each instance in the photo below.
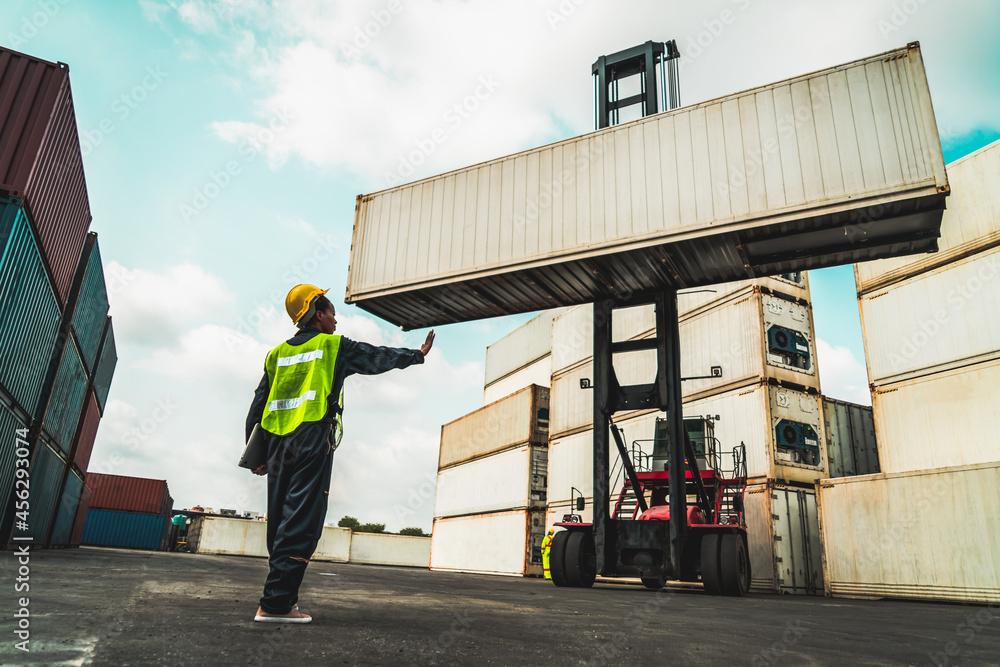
(299, 466)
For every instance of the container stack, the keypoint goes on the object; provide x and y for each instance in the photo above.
(127, 512)
(521, 358)
(489, 507)
(932, 341)
(54, 300)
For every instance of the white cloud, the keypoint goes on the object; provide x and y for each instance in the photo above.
(210, 356)
(841, 375)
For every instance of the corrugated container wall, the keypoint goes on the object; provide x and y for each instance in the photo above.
(648, 200)
(106, 362)
(851, 447)
(506, 543)
(86, 433)
(31, 316)
(945, 419)
(513, 479)
(65, 403)
(971, 222)
(91, 304)
(47, 470)
(81, 515)
(41, 159)
(783, 539)
(516, 420)
(132, 494)
(69, 503)
(539, 372)
(15, 429)
(935, 320)
(129, 530)
(529, 342)
(927, 534)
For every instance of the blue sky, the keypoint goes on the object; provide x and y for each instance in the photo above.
(225, 142)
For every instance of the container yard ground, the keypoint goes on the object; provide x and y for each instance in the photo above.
(117, 607)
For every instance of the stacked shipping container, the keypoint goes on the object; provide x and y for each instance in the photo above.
(130, 512)
(932, 338)
(53, 297)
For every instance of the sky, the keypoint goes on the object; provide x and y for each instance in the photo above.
(225, 142)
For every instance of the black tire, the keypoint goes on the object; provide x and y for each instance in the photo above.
(710, 564)
(734, 565)
(557, 558)
(581, 561)
(653, 583)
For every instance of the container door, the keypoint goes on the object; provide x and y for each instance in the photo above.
(796, 541)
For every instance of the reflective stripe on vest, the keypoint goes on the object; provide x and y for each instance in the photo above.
(301, 378)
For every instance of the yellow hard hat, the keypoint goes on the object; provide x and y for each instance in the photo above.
(299, 298)
(551, 530)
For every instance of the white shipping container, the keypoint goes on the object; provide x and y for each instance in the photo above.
(572, 408)
(539, 372)
(386, 549)
(849, 430)
(765, 181)
(521, 347)
(928, 534)
(513, 479)
(521, 418)
(508, 543)
(945, 419)
(235, 537)
(934, 320)
(783, 539)
(971, 222)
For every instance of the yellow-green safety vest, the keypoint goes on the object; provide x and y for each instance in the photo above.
(301, 378)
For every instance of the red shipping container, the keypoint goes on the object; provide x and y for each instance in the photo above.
(40, 159)
(132, 494)
(81, 514)
(86, 433)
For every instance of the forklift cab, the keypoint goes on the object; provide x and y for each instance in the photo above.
(700, 431)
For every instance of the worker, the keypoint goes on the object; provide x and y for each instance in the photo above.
(299, 404)
(546, 549)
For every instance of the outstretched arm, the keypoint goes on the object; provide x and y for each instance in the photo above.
(364, 359)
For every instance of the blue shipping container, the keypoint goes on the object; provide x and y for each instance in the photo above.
(46, 477)
(13, 430)
(31, 315)
(90, 303)
(106, 363)
(131, 530)
(66, 400)
(66, 514)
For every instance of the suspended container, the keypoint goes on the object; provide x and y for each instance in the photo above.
(65, 402)
(517, 420)
(855, 173)
(86, 433)
(971, 223)
(512, 479)
(923, 534)
(31, 315)
(850, 438)
(783, 539)
(503, 543)
(46, 480)
(538, 372)
(126, 530)
(89, 303)
(105, 370)
(69, 503)
(131, 494)
(41, 161)
(525, 345)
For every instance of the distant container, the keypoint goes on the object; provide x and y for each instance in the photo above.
(106, 362)
(13, 437)
(512, 479)
(538, 372)
(386, 549)
(89, 303)
(520, 419)
(505, 543)
(970, 224)
(132, 494)
(944, 419)
(127, 530)
(69, 503)
(81, 515)
(31, 315)
(41, 159)
(65, 403)
(46, 479)
(923, 534)
(86, 433)
(220, 535)
(934, 321)
(665, 200)
(783, 539)
(850, 438)
(526, 344)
